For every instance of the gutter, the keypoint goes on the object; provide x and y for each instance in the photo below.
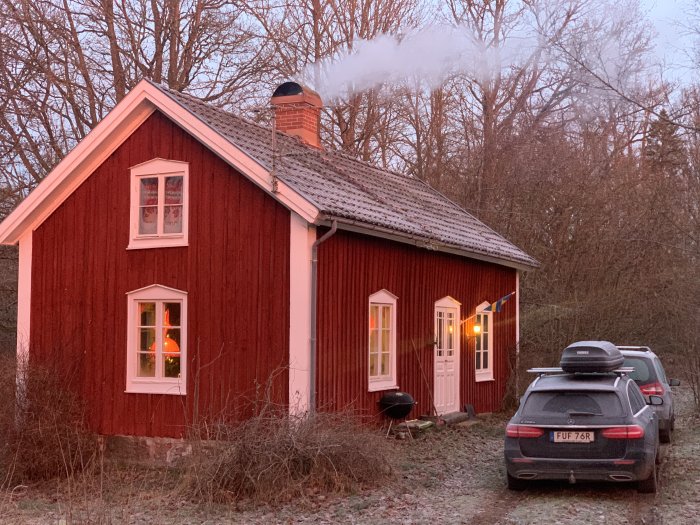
(430, 244)
(314, 312)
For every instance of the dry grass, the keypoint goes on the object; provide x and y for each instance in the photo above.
(42, 431)
(273, 458)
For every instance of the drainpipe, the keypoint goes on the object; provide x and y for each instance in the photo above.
(314, 308)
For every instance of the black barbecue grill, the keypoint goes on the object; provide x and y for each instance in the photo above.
(395, 406)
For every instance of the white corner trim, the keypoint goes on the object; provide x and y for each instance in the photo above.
(517, 313)
(109, 134)
(24, 296)
(301, 239)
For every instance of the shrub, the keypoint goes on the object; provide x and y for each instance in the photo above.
(42, 433)
(276, 458)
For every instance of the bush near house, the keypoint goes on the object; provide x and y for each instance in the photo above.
(275, 458)
(42, 430)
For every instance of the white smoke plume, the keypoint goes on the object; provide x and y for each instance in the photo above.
(430, 54)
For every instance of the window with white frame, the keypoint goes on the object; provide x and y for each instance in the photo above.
(159, 204)
(157, 341)
(382, 341)
(483, 365)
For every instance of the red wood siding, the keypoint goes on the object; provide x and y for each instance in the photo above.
(352, 267)
(235, 271)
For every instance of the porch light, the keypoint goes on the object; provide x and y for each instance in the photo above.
(477, 328)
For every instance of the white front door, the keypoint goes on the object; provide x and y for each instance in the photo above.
(446, 380)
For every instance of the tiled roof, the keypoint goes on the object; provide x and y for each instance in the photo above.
(349, 190)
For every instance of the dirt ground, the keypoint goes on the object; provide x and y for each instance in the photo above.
(455, 475)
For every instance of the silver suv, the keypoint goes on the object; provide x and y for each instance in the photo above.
(649, 374)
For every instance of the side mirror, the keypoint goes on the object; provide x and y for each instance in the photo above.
(674, 382)
(655, 401)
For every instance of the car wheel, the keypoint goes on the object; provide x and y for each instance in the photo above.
(649, 485)
(665, 435)
(515, 483)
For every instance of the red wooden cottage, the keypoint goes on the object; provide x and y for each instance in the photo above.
(182, 261)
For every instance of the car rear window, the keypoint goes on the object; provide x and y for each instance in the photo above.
(643, 373)
(562, 403)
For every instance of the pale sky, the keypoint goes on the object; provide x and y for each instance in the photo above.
(674, 45)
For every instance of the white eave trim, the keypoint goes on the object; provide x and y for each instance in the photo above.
(109, 134)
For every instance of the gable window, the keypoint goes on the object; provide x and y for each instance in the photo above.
(382, 341)
(157, 341)
(484, 344)
(159, 204)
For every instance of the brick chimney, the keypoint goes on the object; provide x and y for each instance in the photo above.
(298, 112)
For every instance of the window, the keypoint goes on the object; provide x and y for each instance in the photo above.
(484, 345)
(159, 212)
(382, 341)
(157, 341)
(637, 402)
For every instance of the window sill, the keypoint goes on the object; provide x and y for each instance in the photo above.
(378, 387)
(157, 242)
(484, 379)
(173, 389)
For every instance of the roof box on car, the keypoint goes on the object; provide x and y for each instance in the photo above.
(591, 356)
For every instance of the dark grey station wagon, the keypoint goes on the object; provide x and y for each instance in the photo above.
(583, 426)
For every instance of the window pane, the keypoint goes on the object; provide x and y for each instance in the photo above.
(450, 334)
(478, 361)
(478, 343)
(173, 219)
(485, 327)
(386, 340)
(148, 220)
(374, 342)
(148, 192)
(386, 316)
(172, 314)
(147, 314)
(171, 340)
(147, 340)
(171, 365)
(485, 358)
(373, 358)
(373, 317)
(440, 331)
(173, 190)
(147, 365)
(385, 363)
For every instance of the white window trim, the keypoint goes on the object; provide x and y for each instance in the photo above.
(487, 373)
(157, 168)
(383, 297)
(141, 385)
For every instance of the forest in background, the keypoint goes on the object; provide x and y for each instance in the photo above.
(577, 148)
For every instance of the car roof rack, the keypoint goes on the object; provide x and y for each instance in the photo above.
(634, 347)
(543, 371)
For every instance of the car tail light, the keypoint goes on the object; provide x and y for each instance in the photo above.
(652, 389)
(628, 432)
(522, 431)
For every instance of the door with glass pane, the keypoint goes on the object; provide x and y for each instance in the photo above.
(446, 383)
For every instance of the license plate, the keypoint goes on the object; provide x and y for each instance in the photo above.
(572, 436)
